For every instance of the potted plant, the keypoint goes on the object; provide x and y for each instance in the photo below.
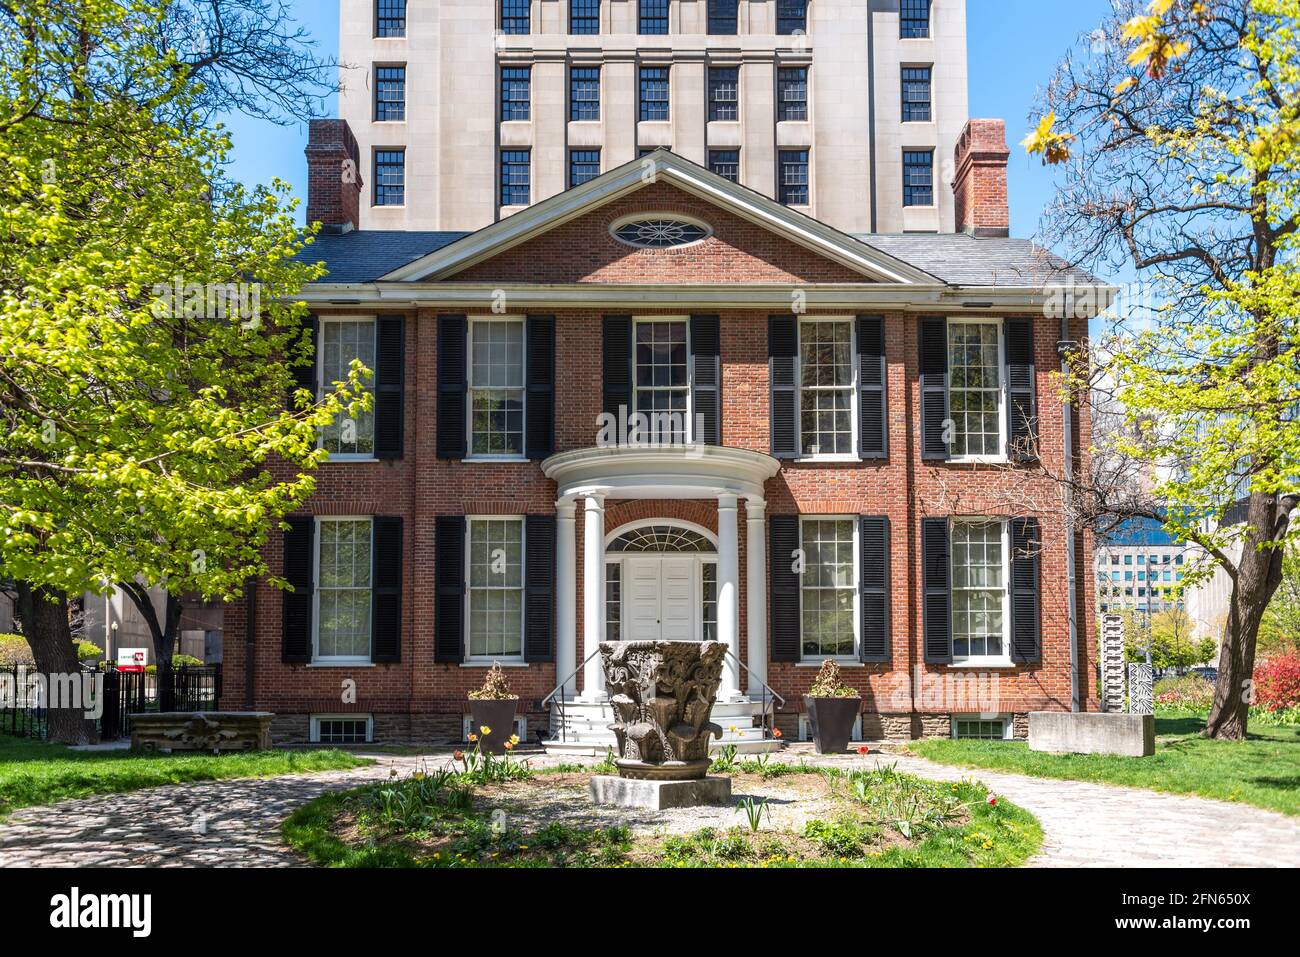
(831, 706)
(492, 712)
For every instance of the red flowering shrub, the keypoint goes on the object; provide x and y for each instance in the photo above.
(1277, 683)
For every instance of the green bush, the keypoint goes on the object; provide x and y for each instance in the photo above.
(88, 651)
(14, 650)
(1188, 693)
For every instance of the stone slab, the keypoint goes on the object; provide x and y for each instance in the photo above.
(1126, 735)
(659, 795)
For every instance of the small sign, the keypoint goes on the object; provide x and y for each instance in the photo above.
(131, 659)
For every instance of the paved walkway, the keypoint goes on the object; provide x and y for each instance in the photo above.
(237, 823)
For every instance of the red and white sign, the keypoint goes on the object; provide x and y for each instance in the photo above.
(131, 659)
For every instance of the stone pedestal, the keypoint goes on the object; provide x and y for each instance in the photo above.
(659, 795)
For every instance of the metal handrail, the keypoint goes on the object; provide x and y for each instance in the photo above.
(571, 674)
(770, 689)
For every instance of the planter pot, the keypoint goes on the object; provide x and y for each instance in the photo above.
(832, 722)
(497, 715)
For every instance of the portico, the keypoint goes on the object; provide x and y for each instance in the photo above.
(661, 577)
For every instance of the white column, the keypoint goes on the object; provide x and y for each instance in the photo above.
(566, 596)
(728, 595)
(593, 595)
(756, 594)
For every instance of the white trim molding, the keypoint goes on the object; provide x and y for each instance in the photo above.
(677, 472)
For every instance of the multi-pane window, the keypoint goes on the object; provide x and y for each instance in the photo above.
(792, 93)
(341, 341)
(342, 730)
(918, 178)
(828, 587)
(515, 178)
(726, 163)
(722, 17)
(496, 587)
(516, 93)
(724, 87)
(584, 93)
(792, 177)
(390, 93)
(978, 590)
(914, 19)
(975, 388)
(584, 16)
(654, 93)
(980, 729)
(662, 377)
(613, 601)
(826, 383)
(653, 16)
(709, 593)
(791, 17)
(496, 387)
(916, 94)
(514, 16)
(583, 165)
(390, 18)
(390, 177)
(343, 589)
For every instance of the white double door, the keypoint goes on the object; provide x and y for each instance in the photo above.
(662, 598)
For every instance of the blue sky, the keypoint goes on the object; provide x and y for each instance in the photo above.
(1013, 46)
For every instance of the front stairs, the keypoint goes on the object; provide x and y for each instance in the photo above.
(582, 728)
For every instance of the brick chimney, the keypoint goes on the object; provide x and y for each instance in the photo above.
(979, 184)
(333, 176)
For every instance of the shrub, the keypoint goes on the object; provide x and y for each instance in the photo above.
(88, 651)
(1188, 693)
(1277, 683)
(495, 687)
(14, 650)
(829, 684)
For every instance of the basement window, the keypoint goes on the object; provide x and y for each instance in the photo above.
(977, 728)
(342, 729)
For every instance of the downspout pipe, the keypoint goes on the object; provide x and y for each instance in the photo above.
(1064, 347)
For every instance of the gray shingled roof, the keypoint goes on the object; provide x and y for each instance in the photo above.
(954, 258)
(962, 260)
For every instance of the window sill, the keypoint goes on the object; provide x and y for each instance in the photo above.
(497, 661)
(341, 664)
(842, 662)
(827, 460)
(979, 460)
(495, 458)
(345, 458)
(972, 663)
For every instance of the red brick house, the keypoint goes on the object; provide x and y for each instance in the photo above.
(662, 405)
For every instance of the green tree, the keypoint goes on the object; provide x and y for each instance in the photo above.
(1169, 636)
(147, 328)
(1279, 632)
(1177, 130)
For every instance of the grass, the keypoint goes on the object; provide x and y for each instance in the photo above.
(882, 818)
(1264, 770)
(33, 772)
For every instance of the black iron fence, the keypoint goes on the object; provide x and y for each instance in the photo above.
(23, 710)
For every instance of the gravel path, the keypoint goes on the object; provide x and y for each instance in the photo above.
(237, 823)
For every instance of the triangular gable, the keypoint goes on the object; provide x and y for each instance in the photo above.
(744, 223)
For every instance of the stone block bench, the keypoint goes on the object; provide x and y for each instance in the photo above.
(201, 731)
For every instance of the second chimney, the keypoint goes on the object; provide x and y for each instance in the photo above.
(980, 182)
(333, 176)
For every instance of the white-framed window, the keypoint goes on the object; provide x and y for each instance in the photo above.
(981, 618)
(828, 588)
(982, 727)
(976, 398)
(467, 726)
(828, 388)
(805, 729)
(661, 370)
(496, 387)
(341, 729)
(343, 339)
(495, 593)
(343, 589)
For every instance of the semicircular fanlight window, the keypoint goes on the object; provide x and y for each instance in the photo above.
(661, 538)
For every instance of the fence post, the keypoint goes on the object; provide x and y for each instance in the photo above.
(167, 686)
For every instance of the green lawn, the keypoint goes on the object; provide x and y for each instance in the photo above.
(33, 772)
(1263, 771)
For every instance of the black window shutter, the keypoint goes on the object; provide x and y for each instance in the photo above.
(304, 376)
(617, 351)
(390, 373)
(449, 580)
(299, 558)
(706, 382)
(1022, 413)
(541, 387)
(453, 382)
(386, 589)
(783, 361)
(873, 415)
(873, 535)
(934, 387)
(783, 532)
(936, 579)
(539, 588)
(1026, 630)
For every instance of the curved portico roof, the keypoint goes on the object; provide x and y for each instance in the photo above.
(689, 471)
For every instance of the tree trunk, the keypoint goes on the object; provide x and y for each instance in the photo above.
(44, 613)
(164, 633)
(1259, 573)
